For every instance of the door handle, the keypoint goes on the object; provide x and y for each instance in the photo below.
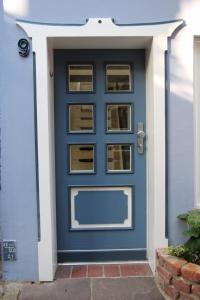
(140, 138)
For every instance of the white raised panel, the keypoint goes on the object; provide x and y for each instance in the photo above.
(128, 223)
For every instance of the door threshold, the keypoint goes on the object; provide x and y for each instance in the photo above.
(104, 263)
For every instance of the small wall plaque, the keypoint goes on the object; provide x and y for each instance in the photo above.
(9, 250)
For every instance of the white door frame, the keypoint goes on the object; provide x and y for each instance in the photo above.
(100, 33)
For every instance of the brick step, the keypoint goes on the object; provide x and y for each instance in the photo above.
(104, 270)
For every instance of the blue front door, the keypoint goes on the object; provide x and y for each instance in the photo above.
(100, 154)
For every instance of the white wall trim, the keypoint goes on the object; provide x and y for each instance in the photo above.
(106, 35)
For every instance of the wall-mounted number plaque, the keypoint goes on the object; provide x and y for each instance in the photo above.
(9, 250)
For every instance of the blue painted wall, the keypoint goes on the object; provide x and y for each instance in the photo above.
(18, 194)
(63, 11)
(18, 211)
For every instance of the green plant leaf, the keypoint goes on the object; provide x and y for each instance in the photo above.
(194, 219)
(183, 217)
(191, 249)
(192, 232)
(178, 251)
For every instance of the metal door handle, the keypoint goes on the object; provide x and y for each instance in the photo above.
(141, 134)
(140, 138)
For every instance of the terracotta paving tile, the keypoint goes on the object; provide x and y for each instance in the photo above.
(79, 271)
(63, 272)
(95, 270)
(111, 271)
(108, 270)
(135, 270)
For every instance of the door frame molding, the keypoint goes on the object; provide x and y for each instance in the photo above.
(100, 33)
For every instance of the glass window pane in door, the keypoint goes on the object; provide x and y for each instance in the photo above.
(119, 158)
(80, 78)
(81, 158)
(81, 118)
(118, 78)
(118, 117)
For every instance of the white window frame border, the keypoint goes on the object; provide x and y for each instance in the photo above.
(100, 34)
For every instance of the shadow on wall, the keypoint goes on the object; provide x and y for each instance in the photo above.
(180, 164)
(180, 133)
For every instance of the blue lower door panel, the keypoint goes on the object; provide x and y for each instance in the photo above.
(95, 208)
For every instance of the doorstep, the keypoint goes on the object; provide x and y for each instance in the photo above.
(104, 270)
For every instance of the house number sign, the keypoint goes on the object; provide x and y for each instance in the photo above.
(24, 47)
(9, 250)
